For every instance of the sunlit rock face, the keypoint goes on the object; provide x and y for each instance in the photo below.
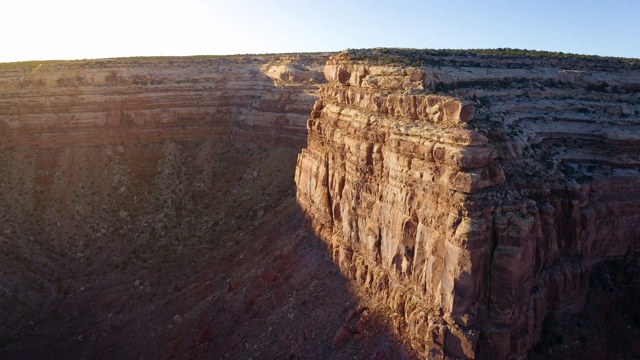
(471, 194)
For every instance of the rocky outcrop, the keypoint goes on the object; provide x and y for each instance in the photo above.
(473, 193)
(253, 99)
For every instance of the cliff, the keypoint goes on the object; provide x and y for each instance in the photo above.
(472, 194)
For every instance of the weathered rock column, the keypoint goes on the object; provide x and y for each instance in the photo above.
(385, 181)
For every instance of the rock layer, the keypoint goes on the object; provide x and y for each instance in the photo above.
(472, 194)
(257, 99)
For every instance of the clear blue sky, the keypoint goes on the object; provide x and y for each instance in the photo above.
(77, 29)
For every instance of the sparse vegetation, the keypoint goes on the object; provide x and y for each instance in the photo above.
(459, 57)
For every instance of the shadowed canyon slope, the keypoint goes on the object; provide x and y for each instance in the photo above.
(475, 203)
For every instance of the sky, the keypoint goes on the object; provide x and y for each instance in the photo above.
(83, 29)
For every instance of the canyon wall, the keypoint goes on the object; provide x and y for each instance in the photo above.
(471, 194)
(76, 135)
(115, 167)
(258, 99)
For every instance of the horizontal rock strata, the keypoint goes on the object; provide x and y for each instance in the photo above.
(472, 194)
(249, 98)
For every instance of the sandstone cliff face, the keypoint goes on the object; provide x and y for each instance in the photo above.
(473, 194)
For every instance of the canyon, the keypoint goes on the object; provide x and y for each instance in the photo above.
(379, 203)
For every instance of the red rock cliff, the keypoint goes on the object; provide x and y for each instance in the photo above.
(472, 194)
